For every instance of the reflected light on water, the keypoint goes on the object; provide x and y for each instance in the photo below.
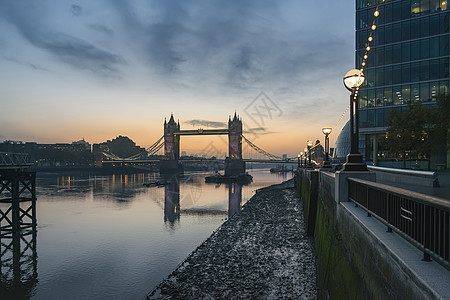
(111, 237)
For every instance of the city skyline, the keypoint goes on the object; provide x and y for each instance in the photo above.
(100, 70)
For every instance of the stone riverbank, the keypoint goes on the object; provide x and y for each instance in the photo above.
(261, 253)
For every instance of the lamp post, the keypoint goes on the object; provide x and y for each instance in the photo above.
(298, 162)
(326, 131)
(305, 157)
(309, 145)
(352, 81)
(301, 159)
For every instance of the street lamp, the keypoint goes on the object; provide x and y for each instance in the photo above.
(304, 157)
(352, 81)
(298, 162)
(301, 159)
(326, 131)
(309, 145)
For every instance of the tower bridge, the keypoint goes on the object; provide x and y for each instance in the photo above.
(234, 163)
(171, 162)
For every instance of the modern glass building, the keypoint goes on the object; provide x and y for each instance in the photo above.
(408, 61)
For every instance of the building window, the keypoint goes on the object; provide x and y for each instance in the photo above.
(434, 69)
(406, 93)
(425, 92)
(424, 70)
(397, 95)
(434, 47)
(434, 89)
(415, 92)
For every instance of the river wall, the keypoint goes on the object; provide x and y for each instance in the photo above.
(352, 261)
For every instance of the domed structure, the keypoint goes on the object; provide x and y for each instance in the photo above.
(342, 146)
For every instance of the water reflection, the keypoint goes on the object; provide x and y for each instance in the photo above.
(234, 198)
(172, 208)
(172, 200)
(110, 237)
(18, 264)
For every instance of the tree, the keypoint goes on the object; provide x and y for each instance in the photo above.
(397, 135)
(442, 130)
(410, 131)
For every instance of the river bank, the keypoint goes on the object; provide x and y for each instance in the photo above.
(262, 252)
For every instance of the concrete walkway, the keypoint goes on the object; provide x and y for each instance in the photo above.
(261, 253)
(442, 192)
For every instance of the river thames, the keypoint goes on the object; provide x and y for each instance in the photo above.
(109, 237)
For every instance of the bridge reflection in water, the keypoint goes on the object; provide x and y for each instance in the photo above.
(172, 209)
(18, 265)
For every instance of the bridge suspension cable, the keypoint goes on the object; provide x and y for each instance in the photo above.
(152, 150)
(155, 145)
(259, 150)
(155, 149)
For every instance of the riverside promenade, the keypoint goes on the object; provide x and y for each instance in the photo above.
(261, 253)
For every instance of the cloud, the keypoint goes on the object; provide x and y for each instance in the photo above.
(258, 131)
(28, 64)
(207, 123)
(226, 47)
(231, 45)
(76, 10)
(101, 28)
(70, 49)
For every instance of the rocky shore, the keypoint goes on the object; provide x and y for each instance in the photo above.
(261, 253)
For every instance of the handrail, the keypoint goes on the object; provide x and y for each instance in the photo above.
(13, 159)
(421, 219)
(403, 171)
(437, 202)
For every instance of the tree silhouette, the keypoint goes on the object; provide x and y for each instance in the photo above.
(411, 130)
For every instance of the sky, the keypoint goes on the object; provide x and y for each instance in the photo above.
(99, 69)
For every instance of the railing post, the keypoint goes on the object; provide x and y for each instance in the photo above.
(426, 233)
(388, 212)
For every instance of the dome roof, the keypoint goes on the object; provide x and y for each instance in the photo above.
(342, 146)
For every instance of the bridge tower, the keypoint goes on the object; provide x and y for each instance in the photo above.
(234, 164)
(170, 164)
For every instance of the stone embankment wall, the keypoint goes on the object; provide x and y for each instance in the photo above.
(352, 263)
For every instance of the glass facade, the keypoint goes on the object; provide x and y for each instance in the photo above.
(408, 60)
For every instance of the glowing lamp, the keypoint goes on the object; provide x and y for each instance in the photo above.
(353, 79)
(327, 130)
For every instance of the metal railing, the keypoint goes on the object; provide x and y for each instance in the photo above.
(13, 159)
(423, 220)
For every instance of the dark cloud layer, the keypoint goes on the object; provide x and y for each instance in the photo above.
(238, 44)
(206, 123)
(258, 131)
(28, 64)
(69, 49)
(231, 44)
